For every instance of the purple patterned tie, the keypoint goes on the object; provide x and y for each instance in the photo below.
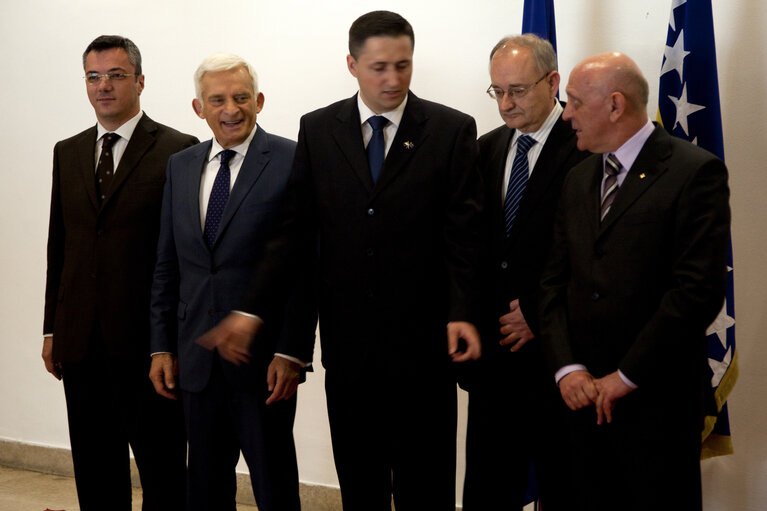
(612, 168)
(218, 197)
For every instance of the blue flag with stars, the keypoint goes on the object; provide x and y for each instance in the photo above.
(538, 19)
(688, 107)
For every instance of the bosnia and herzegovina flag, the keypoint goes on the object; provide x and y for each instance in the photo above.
(688, 107)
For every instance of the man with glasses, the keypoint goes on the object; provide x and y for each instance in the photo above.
(104, 223)
(511, 396)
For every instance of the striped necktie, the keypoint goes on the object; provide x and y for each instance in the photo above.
(520, 173)
(612, 168)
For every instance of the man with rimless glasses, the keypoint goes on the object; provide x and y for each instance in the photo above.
(512, 399)
(105, 217)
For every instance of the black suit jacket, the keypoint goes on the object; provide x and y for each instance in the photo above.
(397, 259)
(516, 262)
(101, 257)
(637, 291)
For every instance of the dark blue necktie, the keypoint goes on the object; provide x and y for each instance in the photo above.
(105, 168)
(218, 197)
(520, 172)
(376, 146)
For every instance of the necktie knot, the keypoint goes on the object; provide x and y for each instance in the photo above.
(377, 122)
(108, 140)
(612, 165)
(524, 143)
(226, 155)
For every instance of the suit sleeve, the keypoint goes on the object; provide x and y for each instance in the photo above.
(699, 275)
(463, 229)
(165, 283)
(55, 254)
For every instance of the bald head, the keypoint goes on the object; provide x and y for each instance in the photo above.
(607, 101)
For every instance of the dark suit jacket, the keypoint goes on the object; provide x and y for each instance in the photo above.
(637, 291)
(101, 258)
(396, 259)
(515, 263)
(195, 287)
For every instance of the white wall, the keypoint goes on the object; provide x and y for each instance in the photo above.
(299, 48)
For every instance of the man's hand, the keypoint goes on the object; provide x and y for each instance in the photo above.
(514, 328)
(578, 390)
(163, 373)
(50, 365)
(611, 388)
(457, 330)
(282, 379)
(232, 337)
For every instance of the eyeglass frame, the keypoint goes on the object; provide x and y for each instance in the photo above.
(106, 76)
(519, 92)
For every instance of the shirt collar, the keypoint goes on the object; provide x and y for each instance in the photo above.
(241, 149)
(542, 134)
(628, 152)
(125, 130)
(394, 116)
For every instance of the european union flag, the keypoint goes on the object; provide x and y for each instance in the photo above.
(688, 107)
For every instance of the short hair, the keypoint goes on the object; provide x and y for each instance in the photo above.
(633, 85)
(377, 23)
(544, 56)
(107, 42)
(222, 62)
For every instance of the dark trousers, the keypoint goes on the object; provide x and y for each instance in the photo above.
(515, 419)
(394, 437)
(111, 405)
(221, 421)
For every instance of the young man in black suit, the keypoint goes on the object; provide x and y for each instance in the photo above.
(105, 219)
(397, 233)
(511, 395)
(637, 273)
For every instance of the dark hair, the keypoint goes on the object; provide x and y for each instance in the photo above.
(107, 42)
(377, 23)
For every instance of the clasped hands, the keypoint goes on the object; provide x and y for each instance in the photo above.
(580, 389)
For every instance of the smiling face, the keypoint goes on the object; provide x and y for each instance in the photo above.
(383, 69)
(229, 105)
(114, 101)
(514, 68)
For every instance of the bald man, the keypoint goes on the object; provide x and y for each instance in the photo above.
(637, 272)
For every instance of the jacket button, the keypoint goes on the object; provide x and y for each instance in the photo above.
(504, 265)
(595, 296)
(371, 212)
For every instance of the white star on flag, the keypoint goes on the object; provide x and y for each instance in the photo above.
(674, 5)
(720, 325)
(683, 110)
(719, 368)
(674, 57)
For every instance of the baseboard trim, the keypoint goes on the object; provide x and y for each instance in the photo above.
(58, 461)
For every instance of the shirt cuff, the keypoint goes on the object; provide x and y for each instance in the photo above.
(564, 371)
(626, 380)
(293, 359)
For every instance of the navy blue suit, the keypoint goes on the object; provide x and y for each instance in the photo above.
(194, 288)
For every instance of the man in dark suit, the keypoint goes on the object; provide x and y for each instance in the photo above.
(636, 274)
(105, 210)
(523, 164)
(220, 202)
(397, 233)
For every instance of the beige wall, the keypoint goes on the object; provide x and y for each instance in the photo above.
(299, 48)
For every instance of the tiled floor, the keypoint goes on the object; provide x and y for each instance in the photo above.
(21, 490)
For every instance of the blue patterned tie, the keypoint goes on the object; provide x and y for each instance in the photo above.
(376, 146)
(218, 197)
(520, 172)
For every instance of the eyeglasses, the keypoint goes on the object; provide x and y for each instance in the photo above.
(95, 78)
(514, 92)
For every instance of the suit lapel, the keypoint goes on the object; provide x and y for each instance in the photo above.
(348, 136)
(408, 140)
(86, 150)
(252, 167)
(142, 139)
(646, 169)
(192, 182)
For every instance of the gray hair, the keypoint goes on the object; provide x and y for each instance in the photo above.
(544, 56)
(222, 62)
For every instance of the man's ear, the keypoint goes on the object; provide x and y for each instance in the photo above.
(351, 63)
(197, 107)
(617, 105)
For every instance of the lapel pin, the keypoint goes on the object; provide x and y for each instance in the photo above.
(642, 175)
(409, 145)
